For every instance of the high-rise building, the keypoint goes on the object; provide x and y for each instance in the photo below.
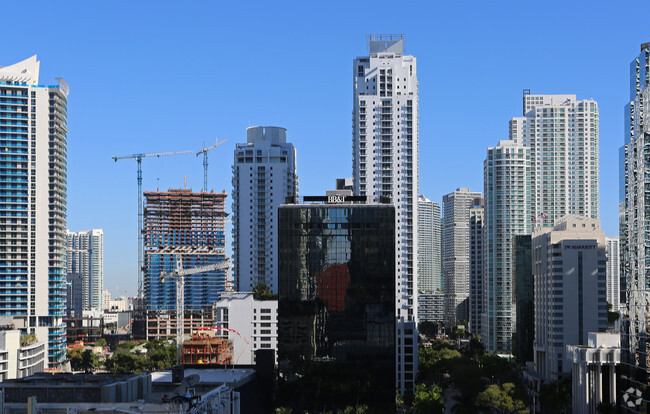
(181, 224)
(385, 164)
(612, 250)
(264, 175)
(336, 312)
(33, 138)
(455, 251)
(75, 295)
(85, 256)
(507, 214)
(569, 272)
(429, 275)
(634, 233)
(562, 133)
(523, 297)
(476, 219)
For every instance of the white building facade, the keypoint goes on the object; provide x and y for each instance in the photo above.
(19, 360)
(255, 321)
(33, 138)
(385, 164)
(569, 272)
(613, 272)
(455, 251)
(429, 235)
(507, 213)
(593, 372)
(264, 175)
(85, 256)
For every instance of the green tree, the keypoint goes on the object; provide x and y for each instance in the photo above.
(283, 410)
(89, 361)
(502, 399)
(75, 360)
(101, 343)
(428, 400)
(261, 292)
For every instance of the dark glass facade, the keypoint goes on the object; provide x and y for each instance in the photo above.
(523, 296)
(336, 316)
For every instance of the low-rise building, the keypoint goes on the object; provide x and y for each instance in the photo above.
(594, 371)
(431, 307)
(249, 323)
(20, 355)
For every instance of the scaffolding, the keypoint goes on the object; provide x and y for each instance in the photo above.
(204, 348)
(191, 225)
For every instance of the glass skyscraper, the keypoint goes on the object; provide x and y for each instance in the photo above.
(336, 321)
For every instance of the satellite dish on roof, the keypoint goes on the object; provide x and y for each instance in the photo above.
(191, 380)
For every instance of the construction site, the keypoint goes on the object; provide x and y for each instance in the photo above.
(206, 348)
(185, 266)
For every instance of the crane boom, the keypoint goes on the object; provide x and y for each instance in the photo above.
(138, 158)
(179, 274)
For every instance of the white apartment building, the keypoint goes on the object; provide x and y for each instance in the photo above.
(385, 164)
(33, 139)
(613, 252)
(455, 251)
(85, 256)
(253, 324)
(429, 234)
(563, 135)
(569, 272)
(264, 175)
(507, 213)
(19, 360)
(476, 219)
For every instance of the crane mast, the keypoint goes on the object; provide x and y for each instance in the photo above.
(138, 158)
(204, 151)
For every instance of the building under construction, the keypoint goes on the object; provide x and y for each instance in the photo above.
(186, 225)
(205, 348)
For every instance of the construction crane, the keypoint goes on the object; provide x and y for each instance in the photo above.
(138, 158)
(204, 151)
(179, 274)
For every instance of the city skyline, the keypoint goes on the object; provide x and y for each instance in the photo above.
(111, 80)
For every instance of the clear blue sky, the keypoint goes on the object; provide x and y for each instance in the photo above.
(149, 76)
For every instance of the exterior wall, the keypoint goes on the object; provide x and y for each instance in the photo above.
(17, 361)
(385, 164)
(569, 269)
(455, 251)
(85, 256)
(429, 233)
(476, 226)
(33, 130)
(635, 231)
(613, 272)
(431, 307)
(563, 135)
(507, 214)
(523, 298)
(266, 157)
(255, 320)
(190, 225)
(337, 295)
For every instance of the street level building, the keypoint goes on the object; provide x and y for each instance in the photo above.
(336, 311)
(264, 175)
(33, 138)
(593, 372)
(249, 323)
(385, 133)
(569, 270)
